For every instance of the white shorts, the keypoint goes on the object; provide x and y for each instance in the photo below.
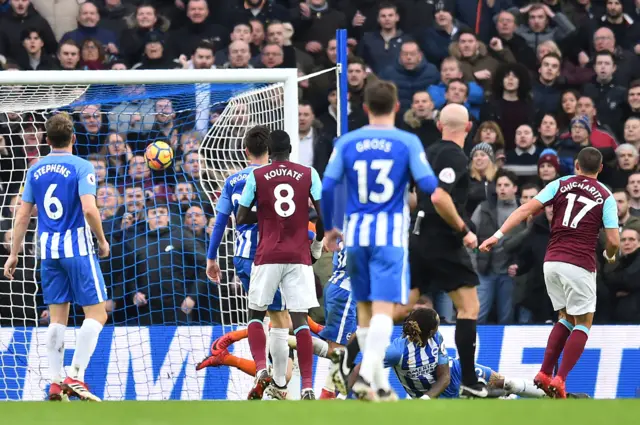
(296, 283)
(570, 287)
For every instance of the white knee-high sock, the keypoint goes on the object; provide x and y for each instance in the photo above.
(279, 349)
(55, 351)
(379, 335)
(85, 346)
(365, 371)
(524, 388)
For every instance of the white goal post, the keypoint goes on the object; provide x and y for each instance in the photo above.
(264, 96)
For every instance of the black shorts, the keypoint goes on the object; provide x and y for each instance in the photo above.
(437, 266)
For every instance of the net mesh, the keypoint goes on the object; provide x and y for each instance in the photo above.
(155, 274)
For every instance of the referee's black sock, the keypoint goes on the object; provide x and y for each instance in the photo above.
(466, 345)
(353, 348)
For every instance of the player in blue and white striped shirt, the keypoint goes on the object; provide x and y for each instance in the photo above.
(420, 361)
(377, 162)
(63, 187)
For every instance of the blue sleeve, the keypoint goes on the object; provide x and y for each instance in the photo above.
(316, 185)
(610, 213)
(311, 234)
(420, 168)
(393, 354)
(548, 192)
(443, 357)
(27, 191)
(249, 191)
(476, 94)
(224, 205)
(216, 234)
(87, 179)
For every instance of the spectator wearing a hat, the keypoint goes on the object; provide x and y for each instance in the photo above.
(482, 171)
(617, 177)
(154, 56)
(436, 39)
(477, 63)
(548, 168)
(569, 147)
(601, 136)
(495, 283)
(523, 160)
(381, 48)
(411, 73)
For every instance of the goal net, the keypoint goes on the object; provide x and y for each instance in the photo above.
(163, 312)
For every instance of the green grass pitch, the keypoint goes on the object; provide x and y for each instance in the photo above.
(436, 412)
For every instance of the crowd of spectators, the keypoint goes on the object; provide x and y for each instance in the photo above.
(541, 80)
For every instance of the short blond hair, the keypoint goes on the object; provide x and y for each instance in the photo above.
(59, 130)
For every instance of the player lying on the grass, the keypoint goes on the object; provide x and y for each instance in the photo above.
(63, 187)
(419, 359)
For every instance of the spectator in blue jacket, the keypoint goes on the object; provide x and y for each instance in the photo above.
(88, 20)
(436, 39)
(411, 73)
(380, 48)
(450, 70)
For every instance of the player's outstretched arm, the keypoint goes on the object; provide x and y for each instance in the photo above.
(610, 223)
(213, 270)
(92, 215)
(19, 230)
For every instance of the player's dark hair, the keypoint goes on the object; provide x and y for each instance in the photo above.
(59, 130)
(508, 174)
(590, 160)
(206, 45)
(380, 97)
(420, 325)
(279, 145)
(256, 140)
(605, 53)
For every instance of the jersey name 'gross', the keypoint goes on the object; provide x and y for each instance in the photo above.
(374, 144)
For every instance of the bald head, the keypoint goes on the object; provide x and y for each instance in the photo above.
(604, 40)
(454, 118)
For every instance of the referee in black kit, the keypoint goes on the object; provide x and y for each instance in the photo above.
(437, 253)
